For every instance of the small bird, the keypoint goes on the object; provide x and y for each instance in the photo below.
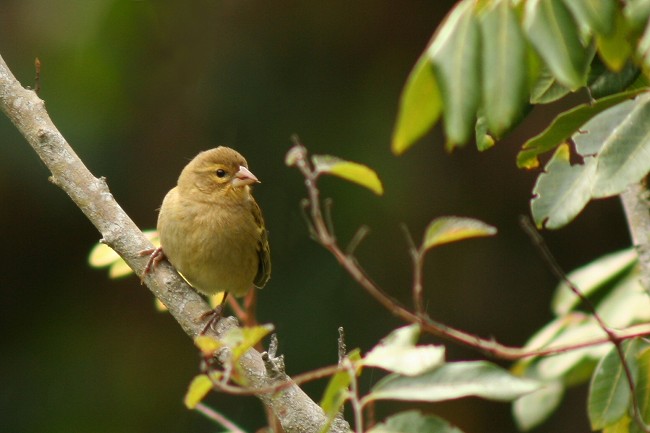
(212, 230)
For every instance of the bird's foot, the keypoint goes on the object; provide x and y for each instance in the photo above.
(213, 317)
(155, 256)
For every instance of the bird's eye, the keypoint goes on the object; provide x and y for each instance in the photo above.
(220, 173)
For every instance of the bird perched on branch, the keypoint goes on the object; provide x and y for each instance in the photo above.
(212, 230)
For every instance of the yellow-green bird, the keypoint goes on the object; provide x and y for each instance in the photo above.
(211, 228)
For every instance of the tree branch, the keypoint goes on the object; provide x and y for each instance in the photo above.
(295, 410)
(297, 156)
(636, 203)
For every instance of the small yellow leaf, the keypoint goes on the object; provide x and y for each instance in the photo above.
(351, 171)
(208, 345)
(102, 255)
(198, 389)
(119, 269)
(242, 339)
(159, 305)
(444, 230)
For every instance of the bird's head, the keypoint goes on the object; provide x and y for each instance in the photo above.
(221, 171)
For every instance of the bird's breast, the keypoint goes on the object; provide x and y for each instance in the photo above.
(214, 245)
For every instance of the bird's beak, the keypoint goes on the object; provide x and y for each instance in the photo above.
(244, 177)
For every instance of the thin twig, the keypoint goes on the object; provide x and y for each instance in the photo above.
(489, 347)
(559, 273)
(328, 203)
(237, 309)
(37, 75)
(215, 416)
(417, 259)
(413, 249)
(342, 349)
(304, 209)
(356, 240)
(299, 379)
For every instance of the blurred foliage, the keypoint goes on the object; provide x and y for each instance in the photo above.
(612, 284)
(536, 52)
(138, 88)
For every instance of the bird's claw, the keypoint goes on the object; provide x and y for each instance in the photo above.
(155, 256)
(213, 317)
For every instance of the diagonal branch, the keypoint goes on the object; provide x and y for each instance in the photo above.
(295, 410)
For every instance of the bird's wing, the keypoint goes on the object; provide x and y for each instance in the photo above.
(263, 251)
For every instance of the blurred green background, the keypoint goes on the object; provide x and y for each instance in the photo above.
(138, 88)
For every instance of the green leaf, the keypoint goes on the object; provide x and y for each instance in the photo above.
(406, 336)
(615, 48)
(419, 107)
(563, 126)
(354, 355)
(542, 338)
(641, 82)
(556, 37)
(622, 426)
(609, 392)
(591, 277)
(574, 366)
(336, 393)
(504, 67)
(532, 409)
(484, 140)
(398, 353)
(546, 88)
(443, 230)
(643, 50)
(627, 302)
(642, 389)
(625, 154)
(452, 381)
(414, 422)
(454, 53)
(563, 190)
(590, 137)
(607, 83)
(637, 13)
(198, 389)
(597, 15)
(350, 171)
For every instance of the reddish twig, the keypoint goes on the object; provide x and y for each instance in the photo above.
(490, 347)
(218, 418)
(37, 75)
(617, 341)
